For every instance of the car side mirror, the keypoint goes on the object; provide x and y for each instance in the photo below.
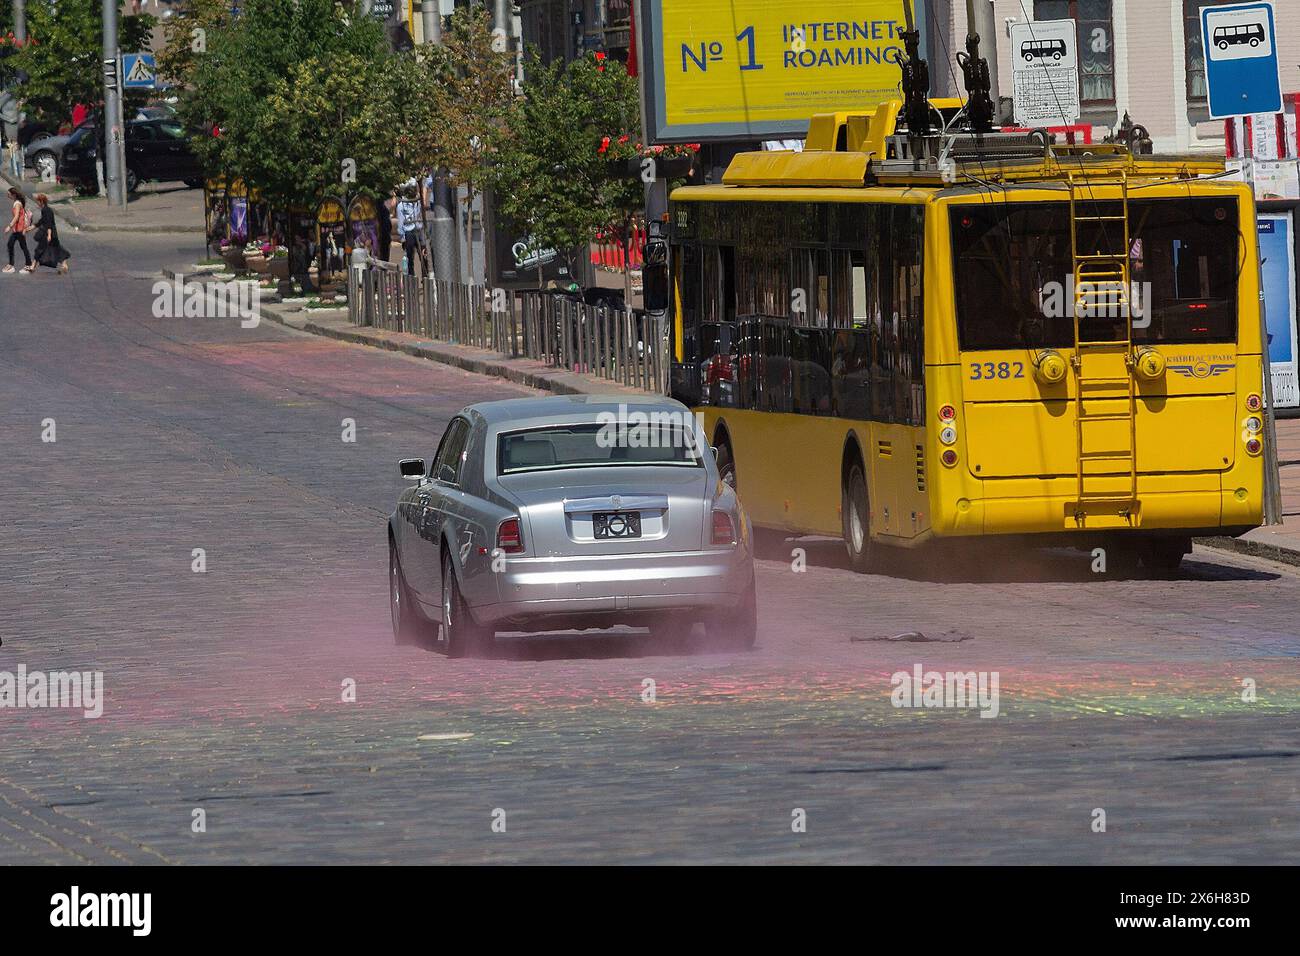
(411, 467)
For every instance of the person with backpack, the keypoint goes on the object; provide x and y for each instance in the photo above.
(19, 223)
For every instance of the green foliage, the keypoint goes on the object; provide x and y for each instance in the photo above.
(62, 59)
(262, 81)
(563, 173)
(457, 98)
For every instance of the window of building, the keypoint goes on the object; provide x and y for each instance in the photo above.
(1096, 44)
(1196, 89)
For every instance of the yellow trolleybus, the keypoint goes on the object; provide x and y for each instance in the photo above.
(1006, 338)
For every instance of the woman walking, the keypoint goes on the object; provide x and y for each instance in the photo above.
(19, 222)
(48, 250)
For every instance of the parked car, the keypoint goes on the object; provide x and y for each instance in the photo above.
(44, 153)
(558, 514)
(156, 149)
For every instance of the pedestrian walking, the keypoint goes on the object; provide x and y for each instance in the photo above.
(408, 225)
(49, 251)
(19, 223)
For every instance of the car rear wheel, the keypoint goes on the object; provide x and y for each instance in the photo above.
(464, 635)
(132, 180)
(408, 626)
(855, 517)
(738, 626)
(194, 183)
(46, 165)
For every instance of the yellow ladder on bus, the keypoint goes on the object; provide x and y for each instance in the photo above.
(1102, 282)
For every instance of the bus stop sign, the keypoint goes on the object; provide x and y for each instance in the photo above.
(1241, 72)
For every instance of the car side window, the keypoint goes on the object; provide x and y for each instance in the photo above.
(171, 131)
(140, 132)
(447, 465)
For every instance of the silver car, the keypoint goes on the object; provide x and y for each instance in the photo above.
(564, 513)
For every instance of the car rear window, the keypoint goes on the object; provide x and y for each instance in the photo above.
(594, 445)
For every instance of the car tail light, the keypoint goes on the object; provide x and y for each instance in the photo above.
(724, 532)
(509, 538)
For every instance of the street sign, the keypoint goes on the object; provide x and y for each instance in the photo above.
(759, 69)
(139, 72)
(1045, 70)
(1241, 72)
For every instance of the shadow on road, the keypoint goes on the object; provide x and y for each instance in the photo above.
(997, 562)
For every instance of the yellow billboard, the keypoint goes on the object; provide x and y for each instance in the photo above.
(729, 69)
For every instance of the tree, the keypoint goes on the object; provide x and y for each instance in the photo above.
(62, 57)
(459, 96)
(259, 85)
(564, 171)
(343, 107)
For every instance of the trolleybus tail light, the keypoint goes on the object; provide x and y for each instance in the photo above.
(1254, 403)
(1254, 445)
(947, 413)
(1254, 425)
(509, 538)
(949, 458)
(723, 530)
(948, 436)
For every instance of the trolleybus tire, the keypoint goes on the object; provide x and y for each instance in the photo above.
(1165, 555)
(855, 515)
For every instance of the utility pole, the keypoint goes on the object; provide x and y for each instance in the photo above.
(20, 20)
(114, 147)
(442, 231)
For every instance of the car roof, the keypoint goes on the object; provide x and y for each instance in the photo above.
(573, 408)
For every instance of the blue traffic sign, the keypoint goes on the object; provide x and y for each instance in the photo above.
(1241, 72)
(139, 71)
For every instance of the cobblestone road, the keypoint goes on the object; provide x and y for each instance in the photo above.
(223, 689)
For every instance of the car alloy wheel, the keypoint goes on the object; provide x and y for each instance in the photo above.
(408, 626)
(462, 634)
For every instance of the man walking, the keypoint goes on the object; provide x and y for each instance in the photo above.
(408, 225)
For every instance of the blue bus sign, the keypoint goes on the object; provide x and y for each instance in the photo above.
(1241, 72)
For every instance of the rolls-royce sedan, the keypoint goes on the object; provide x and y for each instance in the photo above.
(569, 513)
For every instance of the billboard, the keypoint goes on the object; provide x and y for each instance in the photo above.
(758, 69)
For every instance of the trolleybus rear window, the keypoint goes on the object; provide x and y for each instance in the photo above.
(1014, 272)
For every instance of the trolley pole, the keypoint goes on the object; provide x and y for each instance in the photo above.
(114, 147)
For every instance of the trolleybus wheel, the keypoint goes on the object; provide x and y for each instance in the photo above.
(1165, 555)
(856, 517)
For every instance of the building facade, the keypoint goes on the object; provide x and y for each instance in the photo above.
(1141, 57)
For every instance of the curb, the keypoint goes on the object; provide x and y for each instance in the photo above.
(1254, 549)
(469, 359)
(80, 225)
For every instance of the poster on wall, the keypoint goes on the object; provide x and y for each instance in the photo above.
(1277, 255)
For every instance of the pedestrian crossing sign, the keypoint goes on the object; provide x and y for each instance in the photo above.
(139, 72)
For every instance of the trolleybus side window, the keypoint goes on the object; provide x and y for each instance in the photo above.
(788, 321)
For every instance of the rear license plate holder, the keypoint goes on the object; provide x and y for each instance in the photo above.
(616, 524)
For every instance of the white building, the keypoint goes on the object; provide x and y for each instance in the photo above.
(1142, 57)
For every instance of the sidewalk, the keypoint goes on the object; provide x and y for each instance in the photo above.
(334, 324)
(154, 208)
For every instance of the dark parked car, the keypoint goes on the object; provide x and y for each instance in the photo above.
(156, 149)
